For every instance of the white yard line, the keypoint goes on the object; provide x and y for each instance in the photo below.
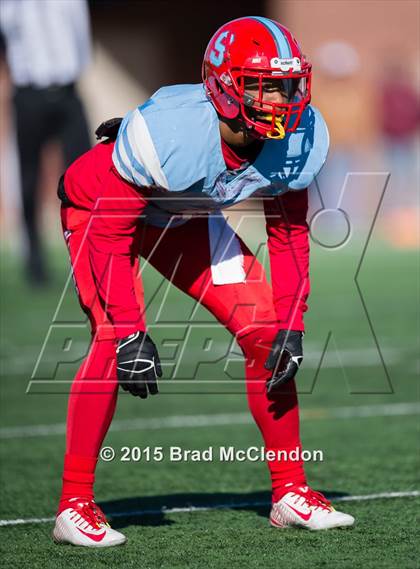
(238, 505)
(215, 420)
(24, 363)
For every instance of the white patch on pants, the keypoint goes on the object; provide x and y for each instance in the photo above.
(227, 260)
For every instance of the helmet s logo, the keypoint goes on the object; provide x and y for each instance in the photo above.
(217, 54)
(291, 64)
(244, 62)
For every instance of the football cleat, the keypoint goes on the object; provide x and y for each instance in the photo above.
(82, 522)
(302, 507)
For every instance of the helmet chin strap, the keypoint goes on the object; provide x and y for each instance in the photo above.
(278, 132)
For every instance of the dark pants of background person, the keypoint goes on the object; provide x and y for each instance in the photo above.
(42, 115)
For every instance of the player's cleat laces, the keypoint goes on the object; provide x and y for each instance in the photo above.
(82, 522)
(300, 506)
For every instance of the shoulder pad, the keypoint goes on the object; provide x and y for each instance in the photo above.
(172, 141)
(184, 128)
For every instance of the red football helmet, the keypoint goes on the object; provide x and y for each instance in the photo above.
(247, 59)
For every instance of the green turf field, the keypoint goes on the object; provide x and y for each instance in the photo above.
(363, 455)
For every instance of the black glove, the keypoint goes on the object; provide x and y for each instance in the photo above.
(138, 365)
(285, 357)
(108, 129)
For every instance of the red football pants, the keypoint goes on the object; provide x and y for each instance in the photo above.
(246, 309)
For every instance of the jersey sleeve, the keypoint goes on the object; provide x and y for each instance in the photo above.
(288, 245)
(111, 238)
(135, 156)
(171, 142)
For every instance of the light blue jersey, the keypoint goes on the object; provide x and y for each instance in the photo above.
(172, 143)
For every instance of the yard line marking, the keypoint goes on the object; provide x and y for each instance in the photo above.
(192, 509)
(216, 420)
(24, 362)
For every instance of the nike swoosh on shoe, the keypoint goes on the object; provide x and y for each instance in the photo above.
(304, 517)
(92, 536)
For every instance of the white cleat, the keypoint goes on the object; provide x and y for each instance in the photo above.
(302, 507)
(82, 522)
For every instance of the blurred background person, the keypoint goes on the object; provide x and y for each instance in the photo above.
(46, 44)
(399, 118)
(398, 112)
(347, 103)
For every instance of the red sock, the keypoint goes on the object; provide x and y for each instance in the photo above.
(286, 471)
(276, 415)
(92, 401)
(78, 476)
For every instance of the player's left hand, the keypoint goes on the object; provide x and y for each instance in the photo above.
(138, 365)
(285, 358)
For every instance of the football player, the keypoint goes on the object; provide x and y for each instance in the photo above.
(155, 188)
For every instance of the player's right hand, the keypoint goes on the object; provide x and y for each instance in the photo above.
(138, 365)
(285, 358)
